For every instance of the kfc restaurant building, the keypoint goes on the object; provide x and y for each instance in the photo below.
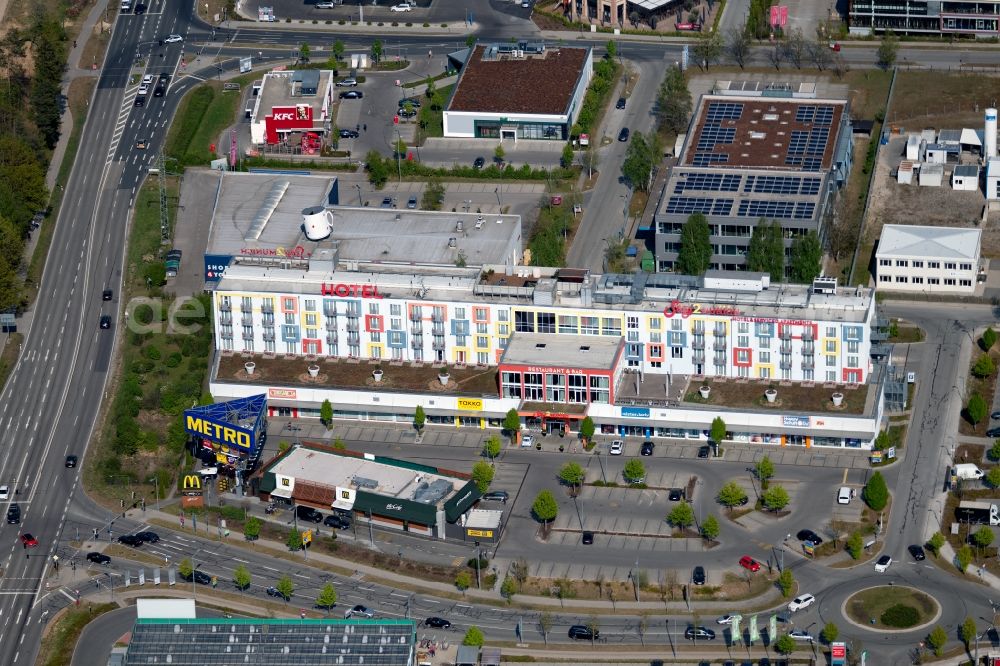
(290, 104)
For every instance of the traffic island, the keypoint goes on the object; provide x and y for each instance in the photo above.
(891, 608)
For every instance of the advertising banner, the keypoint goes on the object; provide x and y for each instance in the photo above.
(754, 632)
(772, 629)
(838, 654)
(736, 636)
(216, 265)
(292, 117)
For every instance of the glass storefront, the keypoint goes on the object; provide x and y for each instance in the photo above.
(487, 129)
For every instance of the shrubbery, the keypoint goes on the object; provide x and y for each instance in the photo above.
(603, 82)
(900, 616)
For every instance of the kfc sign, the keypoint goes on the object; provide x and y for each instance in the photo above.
(291, 117)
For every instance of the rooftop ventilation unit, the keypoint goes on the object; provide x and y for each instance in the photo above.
(824, 285)
(362, 482)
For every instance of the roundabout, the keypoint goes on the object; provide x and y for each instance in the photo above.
(889, 608)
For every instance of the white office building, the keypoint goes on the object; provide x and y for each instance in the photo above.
(928, 259)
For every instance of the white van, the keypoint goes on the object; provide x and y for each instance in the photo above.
(126, 5)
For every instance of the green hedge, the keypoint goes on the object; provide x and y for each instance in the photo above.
(900, 616)
(606, 73)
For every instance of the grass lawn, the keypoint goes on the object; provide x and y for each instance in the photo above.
(795, 397)
(984, 387)
(869, 89)
(60, 639)
(201, 118)
(8, 355)
(907, 334)
(871, 603)
(957, 99)
(431, 121)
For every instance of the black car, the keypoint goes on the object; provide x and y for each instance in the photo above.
(13, 514)
(159, 91)
(107, 295)
(98, 558)
(412, 101)
(583, 633)
(698, 576)
(130, 540)
(743, 501)
(621, 103)
(140, 101)
(148, 537)
(403, 113)
(704, 451)
(334, 520)
(202, 578)
(71, 461)
(349, 134)
(675, 494)
(808, 535)
(993, 432)
(587, 539)
(164, 76)
(105, 321)
(699, 634)
(437, 623)
(479, 163)
(273, 592)
(995, 416)
(647, 449)
(623, 135)
(497, 496)
(352, 94)
(308, 514)
(917, 552)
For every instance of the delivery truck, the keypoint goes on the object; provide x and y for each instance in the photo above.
(967, 472)
(979, 513)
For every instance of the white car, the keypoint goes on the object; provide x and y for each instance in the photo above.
(4, 492)
(882, 565)
(400, 8)
(172, 39)
(527, 441)
(800, 635)
(617, 447)
(844, 495)
(800, 602)
(325, 5)
(725, 619)
(143, 89)
(147, 80)
(209, 471)
(347, 83)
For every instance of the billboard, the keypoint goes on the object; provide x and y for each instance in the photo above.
(216, 265)
(292, 117)
(236, 425)
(838, 654)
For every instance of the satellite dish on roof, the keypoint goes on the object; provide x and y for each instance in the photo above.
(316, 223)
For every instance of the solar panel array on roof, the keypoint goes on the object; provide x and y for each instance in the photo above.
(787, 210)
(719, 111)
(708, 159)
(712, 135)
(781, 185)
(806, 149)
(705, 205)
(708, 182)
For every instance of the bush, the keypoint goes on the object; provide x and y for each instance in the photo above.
(427, 25)
(152, 353)
(876, 493)
(174, 360)
(900, 616)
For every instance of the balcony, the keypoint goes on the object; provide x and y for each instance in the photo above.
(698, 342)
(785, 334)
(352, 325)
(331, 340)
(719, 345)
(415, 316)
(267, 307)
(417, 342)
(699, 357)
(807, 334)
(416, 330)
(248, 335)
(785, 364)
(438, 344)
(808, 363)
(331, 324)
(786, 348)
(269, 335)
(247, 319)
(329, 311)
(226, 306)
(808, 350)
(437, 317)
(226, 319)
(437, 329)
(227, 334)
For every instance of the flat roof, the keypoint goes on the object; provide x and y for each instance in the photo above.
(735, 131)
(283, 88)
(566, 351)
(538, 83)
(935, 242)
(259, 216)
(345, 471)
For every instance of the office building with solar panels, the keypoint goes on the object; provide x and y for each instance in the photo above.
(753, 152)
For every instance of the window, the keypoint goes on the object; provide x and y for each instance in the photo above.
(933, 264)
(852, 361)
(918, 264)
(765, 373)
(831, 346)
(965, 283)
(482, 329)
(459, 313)
(885, 262)
(831, 375)
(480, 314)
(503, 329)
(743, 327)
(568, 324)
(831, 331)
(589, 325)
(742, 356)
(918, 280)
(482, 341)
(483, 358)
(632, 322)
(902, 279)
(372, 308)
(765, 357)
(949, 265)
(853, 347)
(743, 371)
(310, 319)
(577, 388)
(524, 322)
(503, 315)
(831, 361)
(247, 305)
(289, 318)
(546, 322)
(611, 326)
(654, 323)
(310, 305)
(677, 352)
(884, 278)
(949, 282)
(396, 324)
(656, 350)
(764, 343)
(675, 325)
(966, 267)
(287, 303)
(395, 309)
(311, 333)
(933, 281)
(743, 341)
(902, 263)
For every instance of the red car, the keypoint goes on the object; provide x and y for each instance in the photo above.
(28, 541)
(749, 563)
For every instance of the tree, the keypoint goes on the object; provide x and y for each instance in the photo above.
(285, 587)
(708, 49)
(251, 528)
(673, 101)
(989, 339)
(785, 644)
(807, 258)
(377, 51)
(470, 40)
(587, 429)
(695, 254)
(545, 507)
(594, 626)
(776, 55)
(937, 640)
(567, 156)
(738, 46)
(976, 409)
(294, 540)
(419, 418)
(304, 51)
(681, 516)
(378, 172)
(984, 366)
(964, 557)
(512, 423)
(572, 474)
(433, 194)
(968, 631)
(993, 477)
(492, 446)
(508, 588)
(882, 441)
(794, 47)
(830, 633)
(983, 537)
(634, 471)
(474, 636)
(718, 430)
(766, 251)
(775, 498)
(498, 153)
(326, 413)
(764, 469)
(786, 582)
(935, 542)
(855, 545)
(819, 52)
(241, 578)
(710, 528)
(590, 160)
(337, 49)
(482, 474)
(639, 162)
(611, 48)
(185, 568)
(463, 580)
(327, 598)
(731, 494)
(887, 50)
(545, 625)
(876, 493)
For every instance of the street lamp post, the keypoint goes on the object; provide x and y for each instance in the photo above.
(156, 482)
(360, 202)
(399, 167)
